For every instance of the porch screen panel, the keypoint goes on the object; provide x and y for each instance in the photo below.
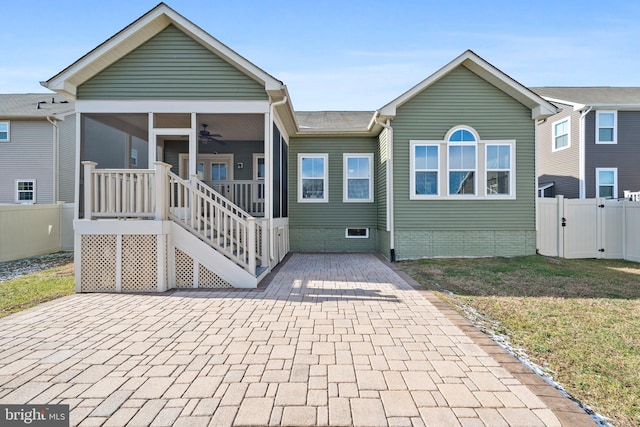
(277, 172)
(285, 179)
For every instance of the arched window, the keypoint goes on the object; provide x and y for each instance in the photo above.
(462, 154)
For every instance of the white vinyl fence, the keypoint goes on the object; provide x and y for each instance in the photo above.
(589, 228)
(30, 230)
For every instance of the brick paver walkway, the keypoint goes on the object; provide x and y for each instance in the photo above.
(333, 340)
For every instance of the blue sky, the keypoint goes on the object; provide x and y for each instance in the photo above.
(367, 52)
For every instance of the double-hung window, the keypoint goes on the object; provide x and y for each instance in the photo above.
(4, 132)
(358, 178)
(606, 129)
(462, 152)
(498, 169)
(313, 180)
(25, 190)
(562, 134)
(607, 183)
(425, 163)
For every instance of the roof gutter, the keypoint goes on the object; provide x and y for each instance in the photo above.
(390, 205)
(56, 155)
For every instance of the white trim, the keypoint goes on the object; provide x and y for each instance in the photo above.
(615, 126)
(345, 179)
(615, 181)
(8, 138)
(346, 233)
(511, 169)
(325, 178)
(145, 106)
(480, 167)
(554, 148)
(412, 178)
(33, 192)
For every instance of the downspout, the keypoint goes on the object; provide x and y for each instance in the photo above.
(268, 178)
(56, 157)
(581, 152)
(390, 202)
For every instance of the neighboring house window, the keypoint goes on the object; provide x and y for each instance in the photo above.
(358, 178)
(425, 162)
(462, 163)
(4, 132)
(25, 190)
(561, 134)
(456, 167)
(607, 183)
(134, 157)
(606, 129)
(312, 178)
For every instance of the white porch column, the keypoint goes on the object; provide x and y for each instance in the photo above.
(161, 179)
(89, 167)
(251, 244)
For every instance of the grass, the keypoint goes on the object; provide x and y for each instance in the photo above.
(32, 289)
(579, 319)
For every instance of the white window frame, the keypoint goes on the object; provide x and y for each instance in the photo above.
(17, 193)
(345, 177)
(511, 169)
(346, 233)
(555, 136)
(615, 181)
(615, 126)
(413, 195)
(325, 178)
(8, 138)
(480, 167)
(475, 145)
(256, 157)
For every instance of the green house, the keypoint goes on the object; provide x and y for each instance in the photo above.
(195, 171)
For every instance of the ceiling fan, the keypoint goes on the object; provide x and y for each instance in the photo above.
(205, 136)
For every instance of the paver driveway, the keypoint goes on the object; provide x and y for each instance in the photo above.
(333, 340)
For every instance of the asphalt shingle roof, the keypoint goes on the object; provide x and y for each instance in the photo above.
(334, 120)
(592, 95)
(26, 105)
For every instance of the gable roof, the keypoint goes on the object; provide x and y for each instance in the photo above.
(140, 31)
(540, 108)
(594, 96)
(33, 105)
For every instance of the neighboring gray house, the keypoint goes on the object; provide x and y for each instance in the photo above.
(37, 148)
(592, 147)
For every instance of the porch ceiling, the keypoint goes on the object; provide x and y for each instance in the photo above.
(234, 127)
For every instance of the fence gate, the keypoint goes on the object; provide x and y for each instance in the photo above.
(584, 228)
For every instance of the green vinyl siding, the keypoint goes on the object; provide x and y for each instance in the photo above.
(321, 226)
(172, 65)
(463, 98)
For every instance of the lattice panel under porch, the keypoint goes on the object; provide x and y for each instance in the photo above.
(209, 279)
(139, 263)
(98, 263)
(184, 270)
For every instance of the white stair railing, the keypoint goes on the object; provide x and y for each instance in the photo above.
(159, 194)
(249, 195)
(215, 220)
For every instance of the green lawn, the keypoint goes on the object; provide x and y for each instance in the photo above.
(579, 319)
(35, 288)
